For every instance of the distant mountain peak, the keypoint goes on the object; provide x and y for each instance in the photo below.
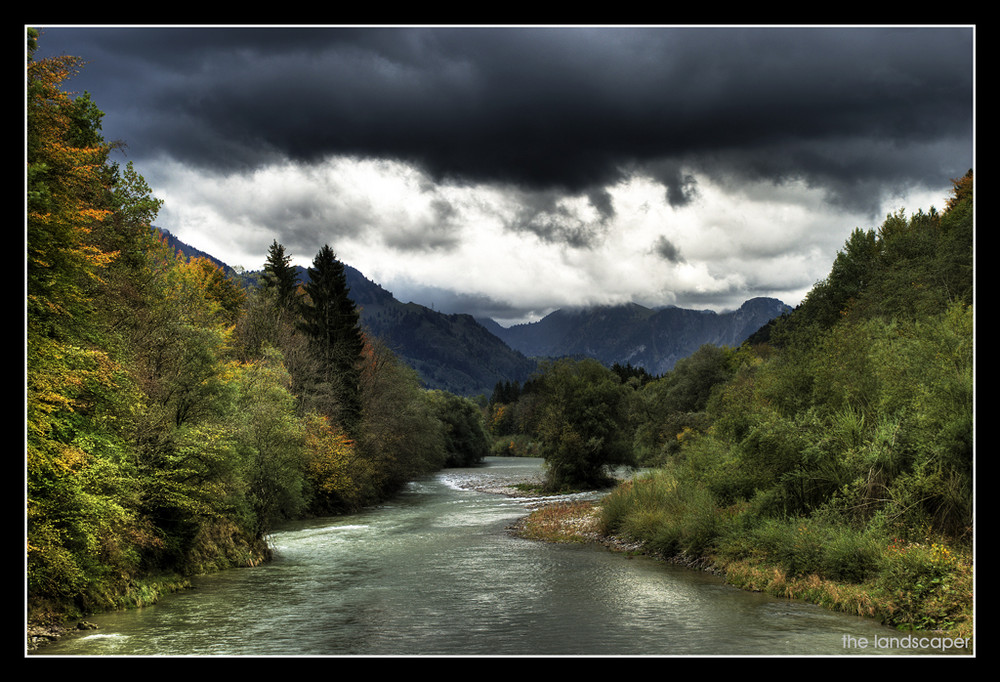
(468, 356)
(654, 339)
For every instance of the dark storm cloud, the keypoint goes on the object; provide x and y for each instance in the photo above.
(544, 214)
(666, 250)
(855, 111)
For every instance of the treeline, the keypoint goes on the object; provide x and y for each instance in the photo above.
(830, 457)
(173, 415)
(620, 416)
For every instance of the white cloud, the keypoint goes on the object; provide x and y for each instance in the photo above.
(391, 222)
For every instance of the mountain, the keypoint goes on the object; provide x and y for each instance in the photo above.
(450, 352)
(189, 251)
(468, 356)
(654, 339)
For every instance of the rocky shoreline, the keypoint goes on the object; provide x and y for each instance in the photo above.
(39, 635)
(579, 522)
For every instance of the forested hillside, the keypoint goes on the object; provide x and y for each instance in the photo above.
(837, 464)
(174, 417)
(830, 458)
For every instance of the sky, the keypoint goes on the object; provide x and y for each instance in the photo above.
(508, 171)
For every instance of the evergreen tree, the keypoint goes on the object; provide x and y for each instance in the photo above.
(280, 275)
(332, 323)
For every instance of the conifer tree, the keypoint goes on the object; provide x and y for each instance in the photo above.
(280, 275)
(332, 322)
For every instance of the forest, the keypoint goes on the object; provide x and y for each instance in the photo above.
(175, 416)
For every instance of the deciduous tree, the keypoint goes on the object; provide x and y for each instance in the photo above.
(583, 427)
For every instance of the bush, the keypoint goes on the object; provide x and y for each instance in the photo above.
(516, 445)
(850, 556)
(804, 546)
(925, 585)
(668, 517)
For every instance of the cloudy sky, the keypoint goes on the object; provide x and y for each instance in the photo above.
(509, 171)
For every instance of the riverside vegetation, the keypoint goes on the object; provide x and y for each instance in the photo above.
(830, 458)
(175, 415)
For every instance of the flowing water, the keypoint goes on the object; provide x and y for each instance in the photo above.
(435, 572)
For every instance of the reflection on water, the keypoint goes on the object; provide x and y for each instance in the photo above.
(434, 572)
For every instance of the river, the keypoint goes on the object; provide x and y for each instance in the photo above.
(434, 572)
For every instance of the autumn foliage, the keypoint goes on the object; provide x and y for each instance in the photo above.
(175, 415)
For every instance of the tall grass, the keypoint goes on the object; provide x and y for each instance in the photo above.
(669, 518)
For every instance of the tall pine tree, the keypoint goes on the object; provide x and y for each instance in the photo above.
(332, 323)
(280, 275)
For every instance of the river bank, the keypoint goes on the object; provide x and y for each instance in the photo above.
(352, 552)
(579, 521)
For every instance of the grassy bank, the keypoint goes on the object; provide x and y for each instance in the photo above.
(910, 585)
(47, 622)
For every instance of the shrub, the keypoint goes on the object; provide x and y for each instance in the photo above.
(925, 585)
(668, 516)
(803, 546)
(516, 445)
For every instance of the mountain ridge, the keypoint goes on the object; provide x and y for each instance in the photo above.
(651, 338)
(469, 356)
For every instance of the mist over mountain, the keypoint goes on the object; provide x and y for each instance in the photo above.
(654, 339)
(468, 356)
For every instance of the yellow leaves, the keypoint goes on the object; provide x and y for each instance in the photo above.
(94, 214)
(331, 454)
(498, 416)
(62, 457)
(205, 292)
(335, 467)
(59, 373)
(60, 381)
(962, 190)
(686, 434)
(66, 193)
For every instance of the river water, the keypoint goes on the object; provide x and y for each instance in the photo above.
(434, 572)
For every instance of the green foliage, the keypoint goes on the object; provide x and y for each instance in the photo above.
(925, 584)
(66, 199)
(803, 546)
(270, 443)
(398, 435)
(668, 513)
(171, 418)
(583, 424)
(673, 407)
(515, 445)
(466, 441)
(330, 320)
(838, 449)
